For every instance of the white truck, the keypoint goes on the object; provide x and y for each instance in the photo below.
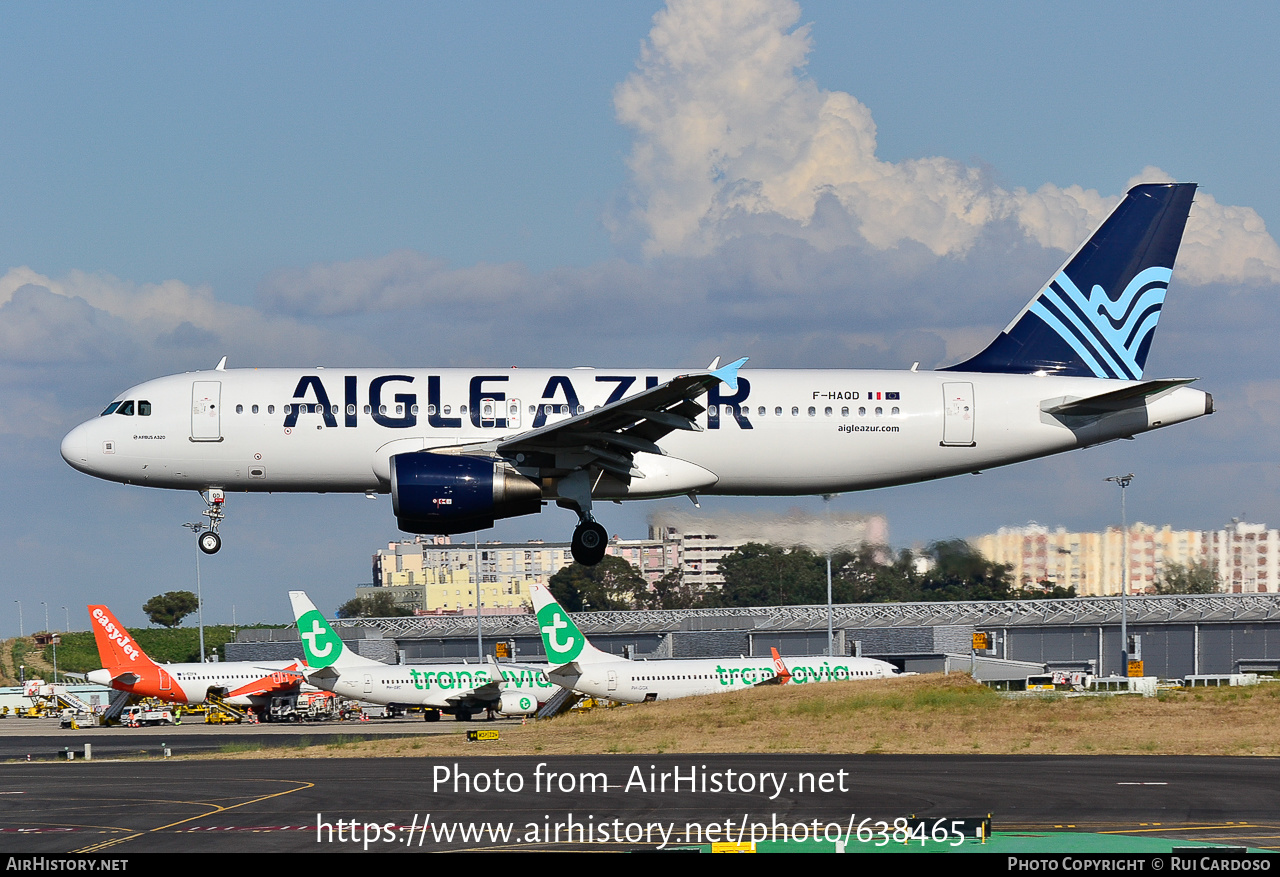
(137, 716)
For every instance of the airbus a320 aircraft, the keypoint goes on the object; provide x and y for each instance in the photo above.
(460, 690)
(126, 667)
(458, 449)
(577, 664)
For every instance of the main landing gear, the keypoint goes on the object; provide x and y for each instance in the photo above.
(589, 542)
(210, 541)
(589, 538)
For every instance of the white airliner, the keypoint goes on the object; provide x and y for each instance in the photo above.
(577, 664)
(458, 449)
(126, 667)
(460, 690)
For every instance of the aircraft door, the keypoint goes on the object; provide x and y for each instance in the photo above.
(957, 414)
(206, 411)
(488, 413)
(613, 680)
(513, 414)
(368, 684)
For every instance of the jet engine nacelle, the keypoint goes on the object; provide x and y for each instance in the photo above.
(518, 703)
(456, 493)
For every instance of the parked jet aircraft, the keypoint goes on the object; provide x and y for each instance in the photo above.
(577, 664)
(460, 690)
(240, 683)
(458, 449)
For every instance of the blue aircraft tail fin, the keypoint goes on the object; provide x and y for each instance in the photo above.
(1096, 317)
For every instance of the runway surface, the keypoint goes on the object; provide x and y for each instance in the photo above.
(42, 739)
(611, 802)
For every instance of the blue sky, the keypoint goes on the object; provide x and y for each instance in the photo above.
(829, 184)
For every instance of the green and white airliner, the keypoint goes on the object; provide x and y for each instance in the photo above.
(460, 690)
(577, 664)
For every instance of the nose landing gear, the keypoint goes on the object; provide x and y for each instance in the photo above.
(209, 542)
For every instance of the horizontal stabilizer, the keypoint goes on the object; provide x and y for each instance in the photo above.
(324, 673)
(1116, 400)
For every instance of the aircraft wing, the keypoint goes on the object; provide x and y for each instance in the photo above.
(482, 696)
(608, 436)
(272, 682)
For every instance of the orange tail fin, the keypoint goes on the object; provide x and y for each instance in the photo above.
(116, 647)
(784, 675)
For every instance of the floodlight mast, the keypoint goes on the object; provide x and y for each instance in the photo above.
(1123, 481)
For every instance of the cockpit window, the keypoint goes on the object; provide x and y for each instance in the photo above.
(144, 408)
(110, 409)
(126, 408)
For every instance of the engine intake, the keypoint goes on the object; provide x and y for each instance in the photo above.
(454, 493)
(518, 703)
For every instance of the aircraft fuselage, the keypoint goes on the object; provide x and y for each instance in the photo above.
(780, 432)
(643, 681)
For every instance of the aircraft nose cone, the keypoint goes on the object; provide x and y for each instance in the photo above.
(75, 447)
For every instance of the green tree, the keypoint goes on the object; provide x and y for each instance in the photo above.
(669, 592)
(613, 583)
(960, 572)
(865, 578)
(1196, 578)
(379, 605)
(769, 575)
(957, 572)
(170, 608)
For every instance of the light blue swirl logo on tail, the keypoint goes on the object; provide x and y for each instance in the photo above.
(1107, 333)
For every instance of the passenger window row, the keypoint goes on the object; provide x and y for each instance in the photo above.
(778, 411)
(144, 408)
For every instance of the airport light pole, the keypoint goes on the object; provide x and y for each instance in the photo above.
(831, 638)
(475, 537)
(195, 527)
(21, 633)
(1123, 481)
(48, 633)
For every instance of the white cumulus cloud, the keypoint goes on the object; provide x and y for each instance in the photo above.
(730, 129)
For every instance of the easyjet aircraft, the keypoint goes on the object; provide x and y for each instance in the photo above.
(459, 448)
(240, 683)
